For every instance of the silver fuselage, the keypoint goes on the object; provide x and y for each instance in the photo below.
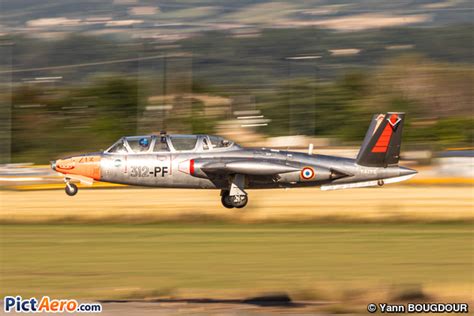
(166, 169)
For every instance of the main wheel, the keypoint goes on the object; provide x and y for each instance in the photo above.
(240, 201)
(226, 200)
(71, 189)
(233, 201)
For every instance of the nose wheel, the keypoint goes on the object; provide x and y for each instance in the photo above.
(71, 189)
(237, 201)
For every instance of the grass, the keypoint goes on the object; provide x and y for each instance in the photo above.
(318, 261)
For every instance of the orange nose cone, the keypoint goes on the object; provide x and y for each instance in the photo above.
(65, 165)
(87, 166)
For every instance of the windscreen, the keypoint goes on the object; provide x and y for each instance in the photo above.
(118, 148)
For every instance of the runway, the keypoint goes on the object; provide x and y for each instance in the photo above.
(131, 205)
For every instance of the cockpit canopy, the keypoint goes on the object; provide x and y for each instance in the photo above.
(170, 143)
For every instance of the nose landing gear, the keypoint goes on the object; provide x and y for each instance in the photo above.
(380, 183)
(71, 189)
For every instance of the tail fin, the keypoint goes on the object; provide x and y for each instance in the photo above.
(381, 146)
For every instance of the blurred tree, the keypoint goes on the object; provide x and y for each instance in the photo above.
(200, 124)
(454, 131)
(323, 109)
(114, 108)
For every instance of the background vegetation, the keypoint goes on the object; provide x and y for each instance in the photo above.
(425, 72)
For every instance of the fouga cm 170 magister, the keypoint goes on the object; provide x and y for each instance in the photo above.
(211, 162)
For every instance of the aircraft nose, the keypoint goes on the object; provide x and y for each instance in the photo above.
(407, 171)
(53, 165)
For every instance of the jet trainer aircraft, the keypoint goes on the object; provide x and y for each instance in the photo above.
(211, 162)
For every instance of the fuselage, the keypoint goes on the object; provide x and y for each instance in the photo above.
(182, 169)
(212, 162)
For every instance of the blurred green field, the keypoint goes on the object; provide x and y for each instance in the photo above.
(308, 261)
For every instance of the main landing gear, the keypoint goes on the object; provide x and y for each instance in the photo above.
(236, 196)
(237, 201)
(71, 189)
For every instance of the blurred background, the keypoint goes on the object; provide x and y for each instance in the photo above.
(75, 75)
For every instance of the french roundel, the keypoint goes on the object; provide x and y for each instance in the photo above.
(307, 173)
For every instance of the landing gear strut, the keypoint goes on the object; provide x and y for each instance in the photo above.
(380, 183)
(71, 189)
(229, 201)
(235, 196)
